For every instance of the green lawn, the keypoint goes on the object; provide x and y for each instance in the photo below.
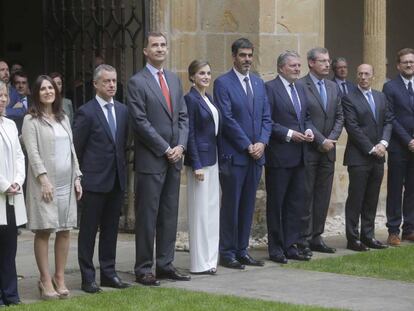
(393, 263)
(159, 299)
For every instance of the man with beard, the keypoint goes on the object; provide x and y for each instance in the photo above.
(241, 98)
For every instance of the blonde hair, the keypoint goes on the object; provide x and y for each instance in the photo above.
(4, 85)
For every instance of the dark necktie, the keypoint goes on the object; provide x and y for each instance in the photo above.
(371, 103)
(411, 93)
(295, 100)
(322, 92)
(111, 120)
(344, 88)
(249, 94)
(164, 90)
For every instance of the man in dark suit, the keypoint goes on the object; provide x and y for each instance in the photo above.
(324, 104)
(368, 122)
(100, 135)
(20, 83)
(242, 100)
(159, 119)
(400, 206)
(285, 159)
(340, 70)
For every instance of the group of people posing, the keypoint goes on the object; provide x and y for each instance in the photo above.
(290, 125)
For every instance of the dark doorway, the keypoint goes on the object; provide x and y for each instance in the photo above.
(79, 34)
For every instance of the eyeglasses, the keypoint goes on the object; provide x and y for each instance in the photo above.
(409, 62)
(324, 61)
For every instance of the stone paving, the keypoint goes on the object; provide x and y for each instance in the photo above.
(271, 282)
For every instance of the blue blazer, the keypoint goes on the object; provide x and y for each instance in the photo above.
(403, 124)
(202, 142)
(279, 152)
(101, 159)
(241, 127)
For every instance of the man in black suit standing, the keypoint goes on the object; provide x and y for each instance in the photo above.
(324, 103)
(159, 119)
(368, 122)
(100, 135)
(285, 159)
(340, 70)
(400, 205)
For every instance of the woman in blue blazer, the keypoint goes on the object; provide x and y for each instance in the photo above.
(203, 187)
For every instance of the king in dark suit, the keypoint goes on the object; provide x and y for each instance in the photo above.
(285, 159)
(400, 204)
(368, 122)
(241, 98)
(159, 119)
(100, 135)
(324, 104)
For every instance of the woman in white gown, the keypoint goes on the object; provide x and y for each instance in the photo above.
(203, 187)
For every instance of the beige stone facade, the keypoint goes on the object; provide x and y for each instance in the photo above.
(205, 29)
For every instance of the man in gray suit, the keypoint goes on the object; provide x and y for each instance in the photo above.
(324, 104)
(368, 121)
(160, 123)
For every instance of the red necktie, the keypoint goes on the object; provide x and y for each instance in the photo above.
(164, 90)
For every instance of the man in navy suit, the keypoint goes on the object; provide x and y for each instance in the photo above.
(400, 206)
(368, 122)
(340, 70)
(241, 98)
(285, 159)
(100, 135)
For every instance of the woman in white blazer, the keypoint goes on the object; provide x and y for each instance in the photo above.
(12, 207)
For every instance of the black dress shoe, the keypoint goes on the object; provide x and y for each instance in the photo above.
(115, 282)
(147, 279)
(173, 275)
(306, 251)
(357, 246)
(232, 264)
(322, 248)
(91, 288)
(211, 271)
(250, 261)
(298, 256)
(374, 243)
(279, 259)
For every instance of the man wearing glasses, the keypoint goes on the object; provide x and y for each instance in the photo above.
(400, 207)
(324, 104)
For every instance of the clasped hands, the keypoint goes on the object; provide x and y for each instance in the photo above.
(256, 150)
(379, 150)
(174, 154)
(13, 189)
(298, 137)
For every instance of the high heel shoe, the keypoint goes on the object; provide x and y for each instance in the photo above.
(63, 292)
(46, 295)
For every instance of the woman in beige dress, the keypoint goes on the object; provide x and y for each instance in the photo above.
(53, 182)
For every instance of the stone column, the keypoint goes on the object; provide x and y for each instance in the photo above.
(374, 46)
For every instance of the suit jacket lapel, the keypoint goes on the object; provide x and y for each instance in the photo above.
(155, 88)
(241, 91)
(103, 120)
(315, 92)
(202, 102)
(281, 90)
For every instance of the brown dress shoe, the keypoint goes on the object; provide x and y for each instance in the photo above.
(393, 239)
(408, 237)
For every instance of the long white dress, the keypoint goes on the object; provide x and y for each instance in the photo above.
(203, 199)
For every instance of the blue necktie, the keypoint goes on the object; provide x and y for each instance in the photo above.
(322, 92)
(249, 94)
(295, 100)
(344, 88)
(411, 93)
(111, 120)
(371, 104)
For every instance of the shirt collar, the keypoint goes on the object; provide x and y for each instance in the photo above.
(153, 70)
(315, 79)
(240, 76)
(285, 82)
(406, 81)
(364, 91)
(102, 102)
(339, 81)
